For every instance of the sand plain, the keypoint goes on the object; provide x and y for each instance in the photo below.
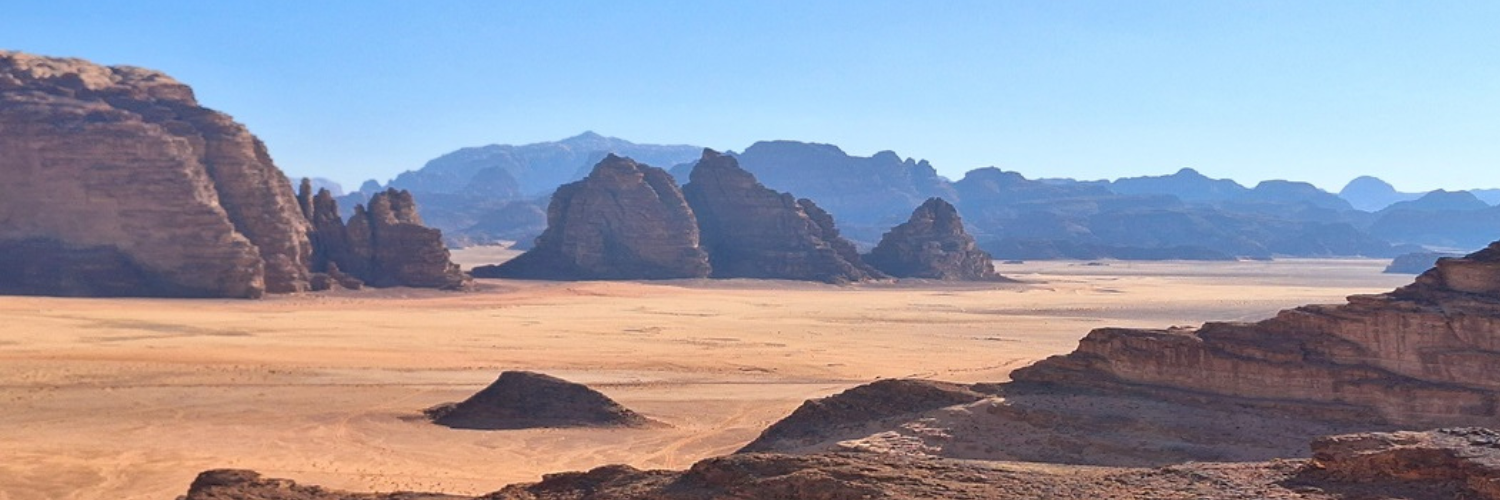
(130, 398)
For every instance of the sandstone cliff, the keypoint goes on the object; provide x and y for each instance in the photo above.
(1425, 355)
(751, 231)
(932, 244)
(118, 183)
(624, 221)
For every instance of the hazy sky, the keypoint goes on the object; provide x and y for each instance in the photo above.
(1310, 90)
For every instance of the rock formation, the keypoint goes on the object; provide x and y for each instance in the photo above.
(1426, 355)
(932, 244)
(118, 183)
(624, 221)
(1468, 459)
(1445, 464)
(819, 419)
(750, 231)
(524, 400)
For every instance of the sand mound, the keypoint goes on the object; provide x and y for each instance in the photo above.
(526, 400)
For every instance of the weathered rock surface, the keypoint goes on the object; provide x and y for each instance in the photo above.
(1439, 465)
(1461, 456)
(122, 163)
(524, 400)
(751, 231)
(624, 221)
(1426, 355)
(819, 419)
(932, 244)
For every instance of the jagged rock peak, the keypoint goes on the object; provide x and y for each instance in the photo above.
(932, 244)
(751, 231)
(625, 220)
(523, 400)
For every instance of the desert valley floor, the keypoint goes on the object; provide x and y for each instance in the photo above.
(131, 398)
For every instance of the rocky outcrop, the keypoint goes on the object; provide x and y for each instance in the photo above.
(122, 164)
(820, 419)
(932, 244)
(624, 221)
(1445, 464)
(524, 400)
(1468, 458)
(1426, 355)
(383, 245)
(119, 184)
(750, 231)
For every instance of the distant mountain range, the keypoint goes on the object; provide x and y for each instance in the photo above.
(500, 192)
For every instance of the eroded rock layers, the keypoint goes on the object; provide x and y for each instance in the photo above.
(122, 163)
(1426, 355)
(751, 231)
(117, 183)
(382, 245)
(932, 244)
(624, 221)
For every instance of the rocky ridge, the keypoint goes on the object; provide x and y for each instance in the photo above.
(932, 244)
(1445, 464)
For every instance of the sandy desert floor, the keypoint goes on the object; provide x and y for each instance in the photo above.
(130, 398)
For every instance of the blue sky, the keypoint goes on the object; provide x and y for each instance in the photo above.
(1321, 91)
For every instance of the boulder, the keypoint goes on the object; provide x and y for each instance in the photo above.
(932, 244)
(624, 221)
(751, 231)
(524, 400)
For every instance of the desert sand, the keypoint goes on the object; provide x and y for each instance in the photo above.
(131, 398)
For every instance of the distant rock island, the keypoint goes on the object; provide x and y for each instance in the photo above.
(932, 244)
(474, 197)
(626, 220)
(119, 184)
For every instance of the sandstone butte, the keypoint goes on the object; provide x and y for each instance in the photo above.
(932, 244)
(751, 231)
(624, 221)
(118, 183)
(631, 221)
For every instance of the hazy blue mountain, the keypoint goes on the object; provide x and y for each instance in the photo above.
(1491, 196)
(537, 168)
(1372, 194)
(1187, 184)
(1441, 200)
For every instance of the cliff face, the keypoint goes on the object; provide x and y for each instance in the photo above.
(624, 221)
(1426, 355)
(118, 183)
(751, 231)
(123, 162)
